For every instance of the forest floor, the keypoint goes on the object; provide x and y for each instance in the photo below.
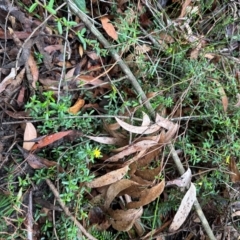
(119, 119)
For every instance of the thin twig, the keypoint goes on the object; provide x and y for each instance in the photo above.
(67, 212)
(29, 119)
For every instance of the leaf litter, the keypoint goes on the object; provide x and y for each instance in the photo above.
(130, 178)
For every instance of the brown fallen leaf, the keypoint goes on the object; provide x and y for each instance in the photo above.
(86, 79)
(136, 147)
(18, 115)
(148, 195)
(184, 209)
(7, 80)
(183, 181)
(20, 98)
(37, 162)
(115, 188)
(184, 8)
(108, 178)
(34, 70)
(77, 106)
(223, 94)
(109, 28)
(50, 139)
(139, 130)
(235, 174)
(109, 140)
(29, 134)
(52, 48)
(149, 174)
(123, 220)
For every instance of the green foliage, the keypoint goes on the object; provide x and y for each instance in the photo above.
(81, 5)
(56, 115)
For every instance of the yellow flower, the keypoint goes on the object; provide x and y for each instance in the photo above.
(97, 153)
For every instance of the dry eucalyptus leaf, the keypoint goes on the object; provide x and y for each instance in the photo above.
(115, 189)
(184, 209)
(7, 80)
(223, 95)
(136, 147)
(108, 178)
(123, 220)
(183, 181)
(34, 70)
(146, 120)
(108, 27)
(149, 174)
(29, 134)
(234, 172)
(148, 195)
(139, 130)
(165, 123)
(77, 106)
(109, 140)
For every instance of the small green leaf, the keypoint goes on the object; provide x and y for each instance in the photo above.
(33, 7)
(71, 23)
(81, 5)
(52, 11)
(59, 26)
(50, 4)
(82, 40)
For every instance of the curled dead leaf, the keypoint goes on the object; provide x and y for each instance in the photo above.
(108, 178)
(116, 188)
(29, 134)
(45, 141)
(139, 146)
(109, 140)
(77, 106)
(148, 195)
(184, 209)
(108, 27)
(123, 220)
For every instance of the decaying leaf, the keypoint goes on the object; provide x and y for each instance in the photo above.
(139, 130)
(223, 95)
(148, 195)
(141, 49)
(86, 79)
(37, 162)
(34, 70)
(116, 188)
(108, 178)
(184, 209)
(183, 181)
(29, 134)
(52, 48)
(50, 139)
(109, 140)
(186, 3)
(139, 146)
(149, 174)
(7, 80)
(160, 122)
(77, 106)
(123, 220)
(235, 174)
(146, 120)
(109, 28)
